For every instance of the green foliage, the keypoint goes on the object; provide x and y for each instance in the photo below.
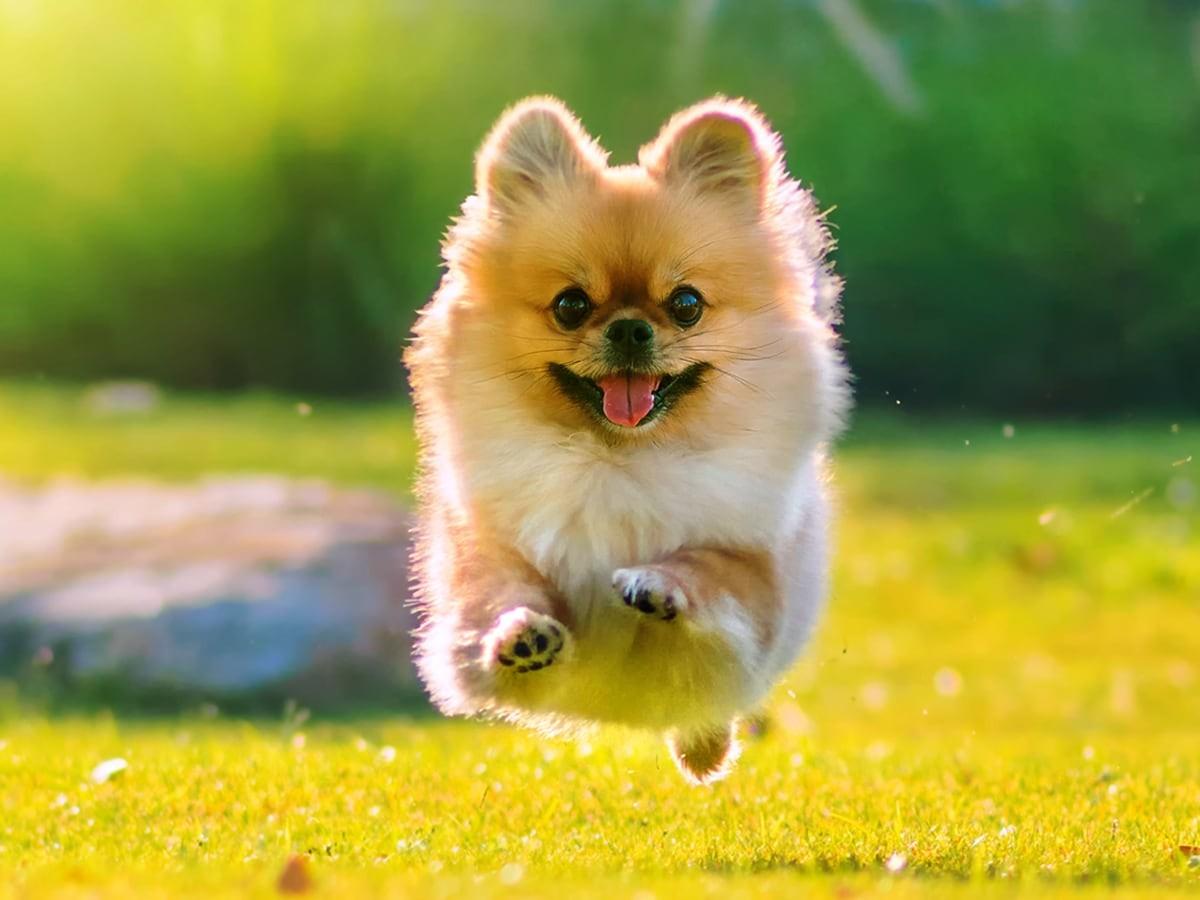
(227, 194)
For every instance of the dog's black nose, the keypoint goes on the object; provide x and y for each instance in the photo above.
(631, 336)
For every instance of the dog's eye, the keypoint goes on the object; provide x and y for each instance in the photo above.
(571, 307)
(685, 306)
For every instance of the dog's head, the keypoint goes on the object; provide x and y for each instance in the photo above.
(636, 300)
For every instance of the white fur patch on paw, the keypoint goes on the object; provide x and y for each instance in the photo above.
(525, 641)
(650, 591)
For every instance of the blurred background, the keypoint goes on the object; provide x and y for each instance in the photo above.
(223, 195)
(218, 218)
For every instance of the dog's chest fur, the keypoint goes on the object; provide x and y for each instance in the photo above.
(577, 511)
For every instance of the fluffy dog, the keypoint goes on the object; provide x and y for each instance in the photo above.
(624, 387)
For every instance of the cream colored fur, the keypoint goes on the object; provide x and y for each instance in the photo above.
(527, 502)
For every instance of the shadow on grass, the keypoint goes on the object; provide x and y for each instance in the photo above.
(338, 691)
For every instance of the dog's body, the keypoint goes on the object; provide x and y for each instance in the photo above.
(623, 387)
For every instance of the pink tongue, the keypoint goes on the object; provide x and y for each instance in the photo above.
(628, 398)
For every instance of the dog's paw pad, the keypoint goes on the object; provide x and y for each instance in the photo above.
(525, 641)
(650, 591)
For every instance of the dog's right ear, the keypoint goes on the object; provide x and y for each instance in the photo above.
(537, 145)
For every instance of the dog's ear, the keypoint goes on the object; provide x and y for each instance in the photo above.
(718, 146)
(535, 146)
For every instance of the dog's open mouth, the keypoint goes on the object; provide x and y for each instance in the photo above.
(628, 399)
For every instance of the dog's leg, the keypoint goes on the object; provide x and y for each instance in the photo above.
(729, 603)
(524, 640)
(511, 619)
(705, 755)
(730, 592)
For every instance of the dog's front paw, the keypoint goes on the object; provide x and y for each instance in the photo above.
(522, 640)
(651, 590)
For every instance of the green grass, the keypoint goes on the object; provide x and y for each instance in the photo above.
(49, 432)
(1005, 692)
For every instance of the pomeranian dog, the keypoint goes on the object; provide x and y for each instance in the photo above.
(624, 386)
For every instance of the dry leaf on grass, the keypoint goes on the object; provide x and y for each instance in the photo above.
(295, 877)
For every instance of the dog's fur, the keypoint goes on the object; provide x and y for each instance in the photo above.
(573, 570)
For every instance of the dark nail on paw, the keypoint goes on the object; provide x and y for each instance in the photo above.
(534, 666)
(670, 614)
(522, 649)
(505, 660)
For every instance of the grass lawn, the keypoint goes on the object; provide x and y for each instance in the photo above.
(1004, 696)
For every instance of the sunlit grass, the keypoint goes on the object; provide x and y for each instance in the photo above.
(207, 806)
(48, 432)
(1005, 691)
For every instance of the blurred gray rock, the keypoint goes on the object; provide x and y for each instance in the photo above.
(226, 587)
(122, 398)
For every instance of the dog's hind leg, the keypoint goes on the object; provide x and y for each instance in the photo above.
(707, 755)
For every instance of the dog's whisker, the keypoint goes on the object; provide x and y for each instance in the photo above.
(524, 337)
(509, 373)
(532, 383)
(738, 378)
(562, 349)
(738, 357)
(703, 332)
(723, 348)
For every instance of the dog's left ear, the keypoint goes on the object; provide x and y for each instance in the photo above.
(718, 146)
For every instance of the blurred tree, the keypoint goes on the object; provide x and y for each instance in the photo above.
(223, 194)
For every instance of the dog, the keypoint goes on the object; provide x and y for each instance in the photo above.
(625, 388)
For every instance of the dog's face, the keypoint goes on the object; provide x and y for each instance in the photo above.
(631, 301)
